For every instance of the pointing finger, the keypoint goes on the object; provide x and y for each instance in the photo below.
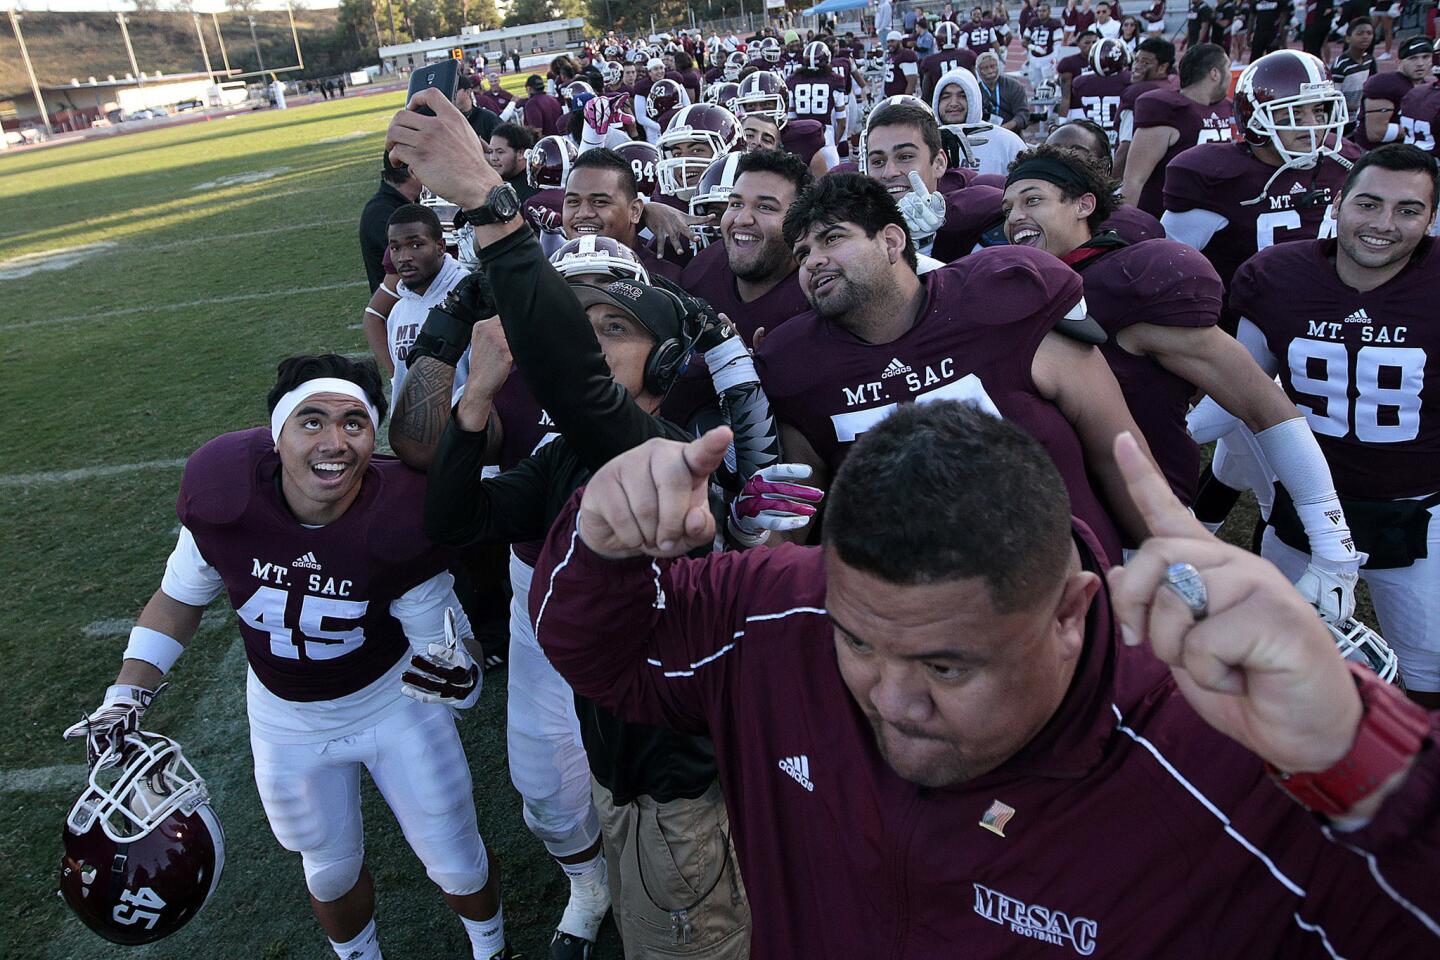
(1164, 515)
(705, 453)
(918, 185)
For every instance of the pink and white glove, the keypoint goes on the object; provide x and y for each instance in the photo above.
(603, 112)
(770, 501)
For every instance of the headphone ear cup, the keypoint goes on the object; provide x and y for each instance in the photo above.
(662, 365)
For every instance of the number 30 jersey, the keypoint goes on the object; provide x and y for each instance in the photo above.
(313, 603)
(1364, 368)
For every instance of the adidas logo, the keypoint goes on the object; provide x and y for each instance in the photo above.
(1296, 188)
(1359, 316)
(895, 369)
(308, 561)
(799, 768)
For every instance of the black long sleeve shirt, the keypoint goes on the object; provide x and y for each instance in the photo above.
(556, 352)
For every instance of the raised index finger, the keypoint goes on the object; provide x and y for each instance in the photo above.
(918, 185)
(1164, 514)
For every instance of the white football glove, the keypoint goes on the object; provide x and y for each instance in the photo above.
(445, 673)
(924, 212)
(1329, 586)
(770, 501)
(104, 730)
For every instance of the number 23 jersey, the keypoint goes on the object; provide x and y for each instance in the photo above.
(1364, 368)
(313, 603)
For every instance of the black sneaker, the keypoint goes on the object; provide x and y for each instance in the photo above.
(567, 946)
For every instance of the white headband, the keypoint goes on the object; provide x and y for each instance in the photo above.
(309, 388)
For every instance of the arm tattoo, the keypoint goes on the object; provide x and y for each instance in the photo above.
(424, 403)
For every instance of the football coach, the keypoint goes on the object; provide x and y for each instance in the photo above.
(950, 732)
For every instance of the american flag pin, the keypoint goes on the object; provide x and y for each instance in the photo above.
(996, 817)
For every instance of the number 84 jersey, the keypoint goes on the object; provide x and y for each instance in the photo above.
(1364, 368)
(314, 604)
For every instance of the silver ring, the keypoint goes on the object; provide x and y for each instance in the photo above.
(1189, 586)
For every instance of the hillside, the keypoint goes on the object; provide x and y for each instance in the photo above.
(65, 45)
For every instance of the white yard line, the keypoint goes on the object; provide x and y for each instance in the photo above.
(85, 473)
(65, 776)
(186, 305)
(120, 626)
(221, 238)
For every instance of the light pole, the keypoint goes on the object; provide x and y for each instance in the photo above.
(134, 67)
(34, 85)
(257, 45)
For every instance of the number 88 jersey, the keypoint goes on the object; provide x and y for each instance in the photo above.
(1364, 368)
(313, 603)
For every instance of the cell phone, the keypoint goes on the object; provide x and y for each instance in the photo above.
(443, 76)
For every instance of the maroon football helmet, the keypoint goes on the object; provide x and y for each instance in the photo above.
(704, 124)
(764, 93)
(665, 95)
(723, 94)
(143, 849)
(712, 196)
(643, 159)
(595, 256)
(548, 163)
(1273, 88)
(817, 56)
(1110, 57)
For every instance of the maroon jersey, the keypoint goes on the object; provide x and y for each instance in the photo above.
(544, 113)
(1363, 367)
(524, 428)
(691, 81)
(715, 74)
(977, 37)
(1077, 19)
(313, 604)
(1133, 225)
(1097, 98)
(544, 209)
(1390, 87)
(973, 217)
(1129, 95)
(941, 62)
(1042, 36)
(1420, 115)
(816, 96)
(1072, 66)
(804, 138)
(1220, 177)
(643, 83)
(975, 340)
(1171, 285)
(657, 266)
(709, 277)
(495, 100)
(1194, 122)
(899, 66)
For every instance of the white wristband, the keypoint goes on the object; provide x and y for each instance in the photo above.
(730, 364)
(1294, 455)
(154, 648)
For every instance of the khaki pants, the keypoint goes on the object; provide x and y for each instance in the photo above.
(673, 877)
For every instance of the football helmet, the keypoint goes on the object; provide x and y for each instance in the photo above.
(576, 94)
(643, 158)
(712, 194)
(733, 65)
(947, 34)
(595, 255)
(703, 123)
(1270, 92)
(611, 72)
(764, 93)
(143, 849)
(613, 52)
(1362, 645)
(547, 165)
(665, 95)
(1110, 57)
(817, 56)
(770, 50)
(723, 94)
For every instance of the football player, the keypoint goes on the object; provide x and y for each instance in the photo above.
(982, 329)
(547, 167)
(818, 93)
(351, 629)
(751, 275)
(1130, 224)
(902, 71)
(601, 200)
(948, 55)
(1095, 96)
(1041, 35)
(1159, 302)
(696, 135)
(1420, 115)
(978, 35)
(1380, 99)
(1150, 70)
(1351, 337)
(1230, 200)
(1073, 66)
(979, 145)
(1169, 122)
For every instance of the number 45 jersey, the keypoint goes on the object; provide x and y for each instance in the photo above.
(1364, 368)
(313, 603)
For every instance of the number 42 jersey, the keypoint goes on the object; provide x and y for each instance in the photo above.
(314, 604)
(1364, 368)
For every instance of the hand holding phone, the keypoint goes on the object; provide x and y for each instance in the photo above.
(443, 76)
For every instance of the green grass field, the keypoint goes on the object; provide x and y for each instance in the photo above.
(199, 256)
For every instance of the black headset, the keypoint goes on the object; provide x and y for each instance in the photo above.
(668, 358)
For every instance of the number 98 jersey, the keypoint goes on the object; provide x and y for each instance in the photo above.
(1364, 368)
(313, 604)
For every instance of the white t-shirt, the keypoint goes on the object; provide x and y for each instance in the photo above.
(408, 316)
(1107, 30)
(189, 578)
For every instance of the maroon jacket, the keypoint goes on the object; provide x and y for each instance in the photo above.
(1138, 833)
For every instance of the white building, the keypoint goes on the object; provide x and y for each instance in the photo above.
(527, 38)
